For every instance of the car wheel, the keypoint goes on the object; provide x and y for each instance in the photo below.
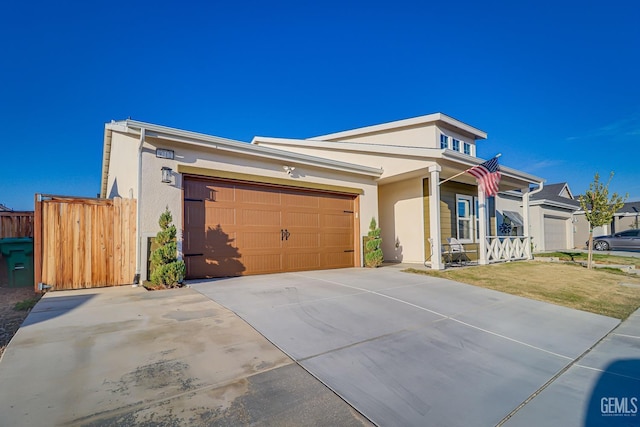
(601, 246)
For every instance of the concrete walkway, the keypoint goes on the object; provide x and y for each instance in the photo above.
(128, 357)
(414, 350)
(596, 390)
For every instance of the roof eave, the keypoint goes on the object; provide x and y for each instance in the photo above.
(238, 147)
(429, 118)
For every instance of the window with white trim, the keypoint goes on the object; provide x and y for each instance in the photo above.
(455, 144)
(444, 141)
(467, 148)
(464, 218)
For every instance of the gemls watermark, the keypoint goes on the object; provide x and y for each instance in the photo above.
(619, 406)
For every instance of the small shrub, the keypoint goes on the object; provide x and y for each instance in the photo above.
(373, 256)
(168, 272)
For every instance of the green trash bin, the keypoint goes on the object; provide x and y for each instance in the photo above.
(18, 254)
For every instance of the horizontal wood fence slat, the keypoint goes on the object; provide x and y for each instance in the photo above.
(16, 224)
(84, 243)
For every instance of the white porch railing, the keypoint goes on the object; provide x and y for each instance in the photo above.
(508, 248)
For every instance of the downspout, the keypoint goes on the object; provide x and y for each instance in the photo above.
(136, 279)
(527, 226)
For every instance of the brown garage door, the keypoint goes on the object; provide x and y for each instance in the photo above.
(234, 228)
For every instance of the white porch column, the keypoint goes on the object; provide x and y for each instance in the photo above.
(526, 224)
(434, 217)
(482, 227)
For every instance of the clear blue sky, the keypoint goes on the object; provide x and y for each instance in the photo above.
(555, 84)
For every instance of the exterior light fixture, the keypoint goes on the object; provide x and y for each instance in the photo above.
(166, 174)
(288, 169)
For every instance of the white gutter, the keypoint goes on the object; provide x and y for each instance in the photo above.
(525, 211)
(136, 279)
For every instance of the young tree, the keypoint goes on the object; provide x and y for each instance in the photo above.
(599, 208)
(167, 272)
(373, 254)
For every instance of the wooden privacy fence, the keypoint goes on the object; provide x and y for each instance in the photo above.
(84, 243)
(16, 224)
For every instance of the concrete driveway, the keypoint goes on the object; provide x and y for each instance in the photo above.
(127, 357)
(414, 350)
(402, 349)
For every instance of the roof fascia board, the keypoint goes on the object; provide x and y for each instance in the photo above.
(553, 203)
(351, 146)
(106, 159)
(504, 170)
(429, 118)
(431, 153)
(238, 147)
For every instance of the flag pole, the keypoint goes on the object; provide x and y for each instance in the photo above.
(464, 171)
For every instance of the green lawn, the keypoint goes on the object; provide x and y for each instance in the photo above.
(606, 292)
(597, 257)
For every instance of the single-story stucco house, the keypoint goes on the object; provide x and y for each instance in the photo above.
(278, 204)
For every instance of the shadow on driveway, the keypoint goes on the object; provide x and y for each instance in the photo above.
(50, 307)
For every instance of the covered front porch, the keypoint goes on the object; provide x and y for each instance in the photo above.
(437, 217)
(462, 219)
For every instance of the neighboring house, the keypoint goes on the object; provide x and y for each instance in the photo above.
(627, 217)
(290, 204)
(551, 211)
(3, 208)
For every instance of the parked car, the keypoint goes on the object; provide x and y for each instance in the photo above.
(628, 239)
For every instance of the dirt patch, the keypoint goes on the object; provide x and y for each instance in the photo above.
(11, 319)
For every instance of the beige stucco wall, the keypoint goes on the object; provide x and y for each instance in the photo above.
(391, 165)
(626, 222)
(156, 195)
(452, 134)
(573, 235)
(422, 136)
(537, 226)
(401, 221)
(122, 180)
(581, 228)
(417, 136)
(506, 202)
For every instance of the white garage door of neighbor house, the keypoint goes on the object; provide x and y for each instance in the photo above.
(555, 233)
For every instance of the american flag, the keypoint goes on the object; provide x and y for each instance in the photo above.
(488, 176)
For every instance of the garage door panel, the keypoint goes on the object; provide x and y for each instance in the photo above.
(303, 240)
(249, 195)
(555, 233)
(194, 214)
(303, 261)
(263, 263)
(301, 200)
(339, 203)
(337, 240)
(303, 219)
(221, 193)
(344, 221)
(342, 259)
(197, 190)
(221, 245)
(261, 217)
(239, 230)
(193, 242)
(223, 215)
(266, 240)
